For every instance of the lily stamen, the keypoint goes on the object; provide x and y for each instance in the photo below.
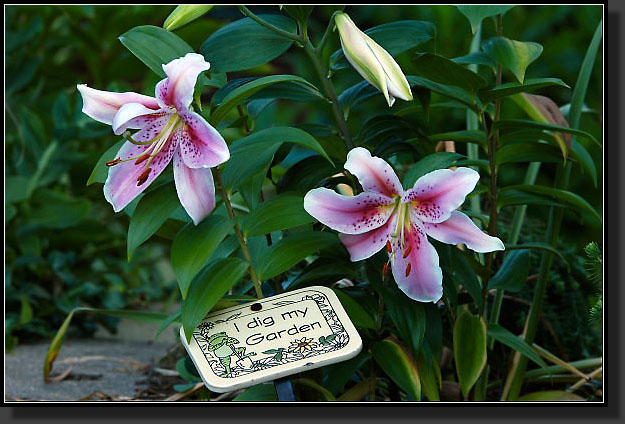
(143, 177)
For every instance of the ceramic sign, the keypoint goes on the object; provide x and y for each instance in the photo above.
(260, 341)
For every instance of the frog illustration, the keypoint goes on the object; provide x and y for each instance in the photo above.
(223, 347)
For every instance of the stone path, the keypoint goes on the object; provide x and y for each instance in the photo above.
(106, 364)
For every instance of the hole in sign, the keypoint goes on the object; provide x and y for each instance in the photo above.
(256, 307)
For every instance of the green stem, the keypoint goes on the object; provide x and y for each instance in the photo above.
(328, 31)
(237, 232)
(328, 87)
(285, 34)
(513, 238)
(472, 121)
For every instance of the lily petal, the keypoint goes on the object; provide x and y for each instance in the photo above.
(177, 89)
(135, 115)
(201, 145)
(103, 105)
(121, 186)
(439, 192)
(424, 281)
(363, 246)
(348, 214)
(373, 173)
(460, 229)
(195, 188)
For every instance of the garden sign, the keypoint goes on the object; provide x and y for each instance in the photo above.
(277, 336)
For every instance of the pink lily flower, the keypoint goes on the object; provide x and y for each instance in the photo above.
(386, 215)
(168, 129)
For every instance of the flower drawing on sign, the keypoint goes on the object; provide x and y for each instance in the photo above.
(386, 215)
(168, 129)
(302, 345)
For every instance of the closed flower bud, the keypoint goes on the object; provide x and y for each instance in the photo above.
(371, 61)
(184, 14)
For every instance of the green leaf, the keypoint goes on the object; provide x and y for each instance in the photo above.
(244, 44)
(300, 13)
(429, 373)
(523, 123)
(413, 34)
(174, 317)
(290, 250)
(551, 396)
(462, 272)
(398, 366)
(539, 246)
(464, 136)
(528, 152)
(100, 170)
(154, 46)
(55, 210)
(444, 71)
(469, 349)
(152, 211)
(210, 285)
(407, 315)
(504, 336)
(513, 55)
(260, 393)
(524, 194)
(339, 374)
(445, 90)
(357, 313)
(475, 58)
(428, 164)
(511, 88)
(282, 212)
(312, 384)
(246, 90)
(184, 14)
(15, 189)
(477, 13)
(251, 154)
(194, 246)
(513, 272)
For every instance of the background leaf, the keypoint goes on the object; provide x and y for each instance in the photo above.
(469, 349)
(398, 366)
(513, 55)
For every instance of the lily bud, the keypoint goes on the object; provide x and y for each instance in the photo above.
(184, 14)
(371, 61)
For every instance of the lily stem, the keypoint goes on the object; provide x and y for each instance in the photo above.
(285, 34)
(237, 232)
(315, 57)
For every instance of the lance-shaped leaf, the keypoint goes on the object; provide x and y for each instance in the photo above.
(469, 349)
(513, 55)
(444, 71)
(210, 285)
(194, 246)
(398, 366)
(514, 342)
(429, 163)
(154, 46)
(356, 312)
(100, 170)
(513, 272)
(152, 211)
(282, 212)
(511, 88)
(244, 44)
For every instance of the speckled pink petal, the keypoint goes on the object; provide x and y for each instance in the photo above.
(201, 145)
(121, 185)
(363, 246)
(460, 229)
(348, 214)
(424, 282)
(177, 89)
(135, 115)
(373, 173)
(195, 188)
(439, 192)
(103, 105)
